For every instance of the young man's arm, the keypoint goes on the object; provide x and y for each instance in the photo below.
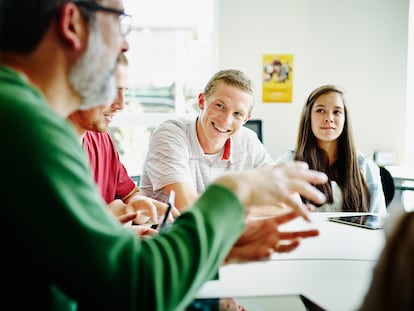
(185, 194)
(167, 165)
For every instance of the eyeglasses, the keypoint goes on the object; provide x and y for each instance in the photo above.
(124, 19)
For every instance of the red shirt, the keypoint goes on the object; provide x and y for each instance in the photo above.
(108, 171)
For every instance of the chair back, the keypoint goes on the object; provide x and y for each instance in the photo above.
(136, 179)
(387, 185)
(256, 126)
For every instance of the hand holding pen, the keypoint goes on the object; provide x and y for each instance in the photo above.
(171, 202)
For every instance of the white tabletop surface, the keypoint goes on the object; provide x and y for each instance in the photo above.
(333, 269)
(335, 241)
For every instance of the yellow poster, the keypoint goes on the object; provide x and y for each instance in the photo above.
(277, 78)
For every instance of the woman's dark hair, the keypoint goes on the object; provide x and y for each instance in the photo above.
(345, 171)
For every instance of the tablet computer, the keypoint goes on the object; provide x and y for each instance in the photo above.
(364, 221)
(291, 302)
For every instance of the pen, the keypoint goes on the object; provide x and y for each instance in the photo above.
(171, 202)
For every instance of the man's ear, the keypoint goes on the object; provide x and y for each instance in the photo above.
(247, 118)
(72, 25)
(201, 101)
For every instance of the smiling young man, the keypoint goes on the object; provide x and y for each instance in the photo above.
(186, 155)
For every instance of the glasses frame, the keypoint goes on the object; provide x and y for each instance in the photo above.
(124, 18)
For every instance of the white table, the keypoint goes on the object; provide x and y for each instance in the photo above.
(333, 269)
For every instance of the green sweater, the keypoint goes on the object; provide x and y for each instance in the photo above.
(63, 250)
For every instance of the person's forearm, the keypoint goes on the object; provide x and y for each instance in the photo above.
(185, 195)
(199, 241)
(185, 202)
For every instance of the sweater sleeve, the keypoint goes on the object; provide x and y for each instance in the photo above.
(99, 263)
(161, 273)
(61, 246)
(191, 252)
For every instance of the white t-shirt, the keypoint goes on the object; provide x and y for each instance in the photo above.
(175, 156)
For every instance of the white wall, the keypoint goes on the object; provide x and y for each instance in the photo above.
(360, 45)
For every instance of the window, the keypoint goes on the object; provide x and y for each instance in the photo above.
(170, 60)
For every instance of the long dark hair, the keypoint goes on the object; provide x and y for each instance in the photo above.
(345, 171)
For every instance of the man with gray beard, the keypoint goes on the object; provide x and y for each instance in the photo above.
(61, 248)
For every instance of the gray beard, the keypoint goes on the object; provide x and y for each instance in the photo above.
(92, 78)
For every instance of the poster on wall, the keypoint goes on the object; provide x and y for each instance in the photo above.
(277, 78)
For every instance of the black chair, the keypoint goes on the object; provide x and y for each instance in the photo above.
(256, 126)
(136, 179)
(387, 185)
